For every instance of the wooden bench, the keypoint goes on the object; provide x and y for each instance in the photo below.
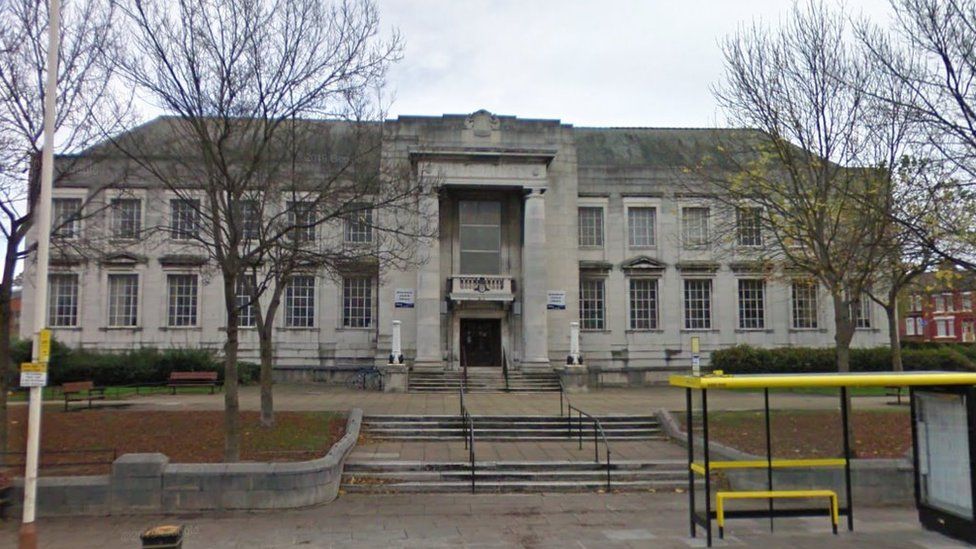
(79, 391)
(894, 392)
(193, 379)
(720, 498)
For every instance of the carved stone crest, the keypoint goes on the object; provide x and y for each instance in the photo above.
(481, 123)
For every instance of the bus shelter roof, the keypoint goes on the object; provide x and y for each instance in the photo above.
(718, 380)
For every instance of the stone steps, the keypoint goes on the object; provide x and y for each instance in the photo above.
(489, 380)
(509, 428)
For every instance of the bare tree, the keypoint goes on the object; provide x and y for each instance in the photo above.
(87, 102)
(233, 75)
(821, 167)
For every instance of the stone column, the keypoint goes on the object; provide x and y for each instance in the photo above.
(428, 306)
(535, 334)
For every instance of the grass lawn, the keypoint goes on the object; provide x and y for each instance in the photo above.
(184, 436)
(812, 433)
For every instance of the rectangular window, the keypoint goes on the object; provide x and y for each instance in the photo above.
(910, 326)
(804, 304)
(245, 308)
(480, 236)
(640, 227)
(62, 302)
(184, 218)
(748, 222)
(643, 304)
(694, 227)
(591, 226)
(861, 313)
(249, 218)
(182, 300)
(752, 304)
(945, 327)
(301, 221)
(300, 302)
(123, 300)
(916, 303)
(920, 326)
(967, 301)
(126, 218)
(359, 224)
(66, 218)
(357, 302)
(591, 304)
(698, 304)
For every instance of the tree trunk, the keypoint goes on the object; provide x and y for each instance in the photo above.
(267, 383)
(6, 294)
(894, 338)
(843, 334)
(232, 423)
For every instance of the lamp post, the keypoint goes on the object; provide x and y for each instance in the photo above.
(42, 220)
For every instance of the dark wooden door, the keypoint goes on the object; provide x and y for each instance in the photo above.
(481, 342)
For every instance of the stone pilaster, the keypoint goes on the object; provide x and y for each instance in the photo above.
(535, 335)
(428, 301)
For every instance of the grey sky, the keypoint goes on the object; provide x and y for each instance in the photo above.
(592, 63)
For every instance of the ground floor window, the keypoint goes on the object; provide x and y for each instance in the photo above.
(698, 304)
(914, 326)
(592, 304)
(123, 300)
(300, 302)
(804, 304)
(945, 327)
(182, 298)
(861, 312)
(245, 309)
(357, 302)
(752, 304)
(62, 300)
(643, 304)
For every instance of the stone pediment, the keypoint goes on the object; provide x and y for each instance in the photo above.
(122, 258)
(643, 263)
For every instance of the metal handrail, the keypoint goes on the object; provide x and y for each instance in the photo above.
(467, 427)
(505, 368)
(597, 428)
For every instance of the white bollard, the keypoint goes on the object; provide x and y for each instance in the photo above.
(574, 350)
(396, 353)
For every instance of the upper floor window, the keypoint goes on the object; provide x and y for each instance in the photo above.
(640, 227)
(915, 302)
(591, 226)
(357, 302)
(592, 303)
(249, 219)
(698, 304)
(301, 221)
(967, 301)
(694, 227)
(804, 304)
(748, 223)
(480, 236)
(182, 300)
(940, 302)
(752, 306)
(126, 218)
(245, 306)
(66, 217)
(123, 300)
(359, 225)
(300, 302)
(184, 218)
(62, 305)
(643, 304)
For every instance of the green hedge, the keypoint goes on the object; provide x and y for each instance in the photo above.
(744, 359)
(139, 366)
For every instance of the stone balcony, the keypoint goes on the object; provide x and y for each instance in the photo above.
(475, 287)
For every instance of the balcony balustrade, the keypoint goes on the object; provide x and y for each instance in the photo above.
(476, 287)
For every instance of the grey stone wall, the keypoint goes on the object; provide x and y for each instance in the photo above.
(149, 483)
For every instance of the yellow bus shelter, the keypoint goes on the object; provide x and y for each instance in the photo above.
(930, 513)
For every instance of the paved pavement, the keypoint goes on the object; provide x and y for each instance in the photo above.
(484, 521)
(312, 396)
(515, 451)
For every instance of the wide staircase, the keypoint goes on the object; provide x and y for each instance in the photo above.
(482, 380)
(569, 436)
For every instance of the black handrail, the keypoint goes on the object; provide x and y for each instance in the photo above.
(467, 428)
(597, 427)
(505, 368)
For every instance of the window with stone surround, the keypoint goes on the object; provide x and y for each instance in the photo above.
(62, 305)
(65, 218)
(694, 227)
(592, 304)
(245, 308)
(300, 302)
(591, 226)
(641, 227)
(126, 218)
(359, 225)
(249, 218)
(357, 302)
(752, 304)
(698, 304)
(182, 296)
(301, 221)
(184, 218)
(804, 304)
(123, 300)
(748, 225)
(861, 313)
(643, 304)
(480, 236)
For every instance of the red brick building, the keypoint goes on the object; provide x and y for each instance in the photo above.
(939, 307)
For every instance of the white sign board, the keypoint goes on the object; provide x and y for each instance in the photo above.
(403, 298)
(33, 374)
(556, 300)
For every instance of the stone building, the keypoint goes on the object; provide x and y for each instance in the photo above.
(541, 224)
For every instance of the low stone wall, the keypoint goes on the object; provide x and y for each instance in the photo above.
(149, 483)
(876, 481)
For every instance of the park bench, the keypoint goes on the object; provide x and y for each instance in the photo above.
(193, 379)
(79, 391)
(720, 498)
(894, 392)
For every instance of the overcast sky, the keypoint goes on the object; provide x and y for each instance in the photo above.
(587, 63)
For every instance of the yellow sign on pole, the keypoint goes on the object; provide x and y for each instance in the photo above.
(695, 345)
(33, 374)
(44, 345)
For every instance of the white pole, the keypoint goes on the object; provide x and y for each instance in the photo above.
(42, 222)
(574, 352)
(396, 351)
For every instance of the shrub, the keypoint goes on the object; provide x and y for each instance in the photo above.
(744, 359)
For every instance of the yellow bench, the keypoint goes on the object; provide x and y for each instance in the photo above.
(720, 498)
